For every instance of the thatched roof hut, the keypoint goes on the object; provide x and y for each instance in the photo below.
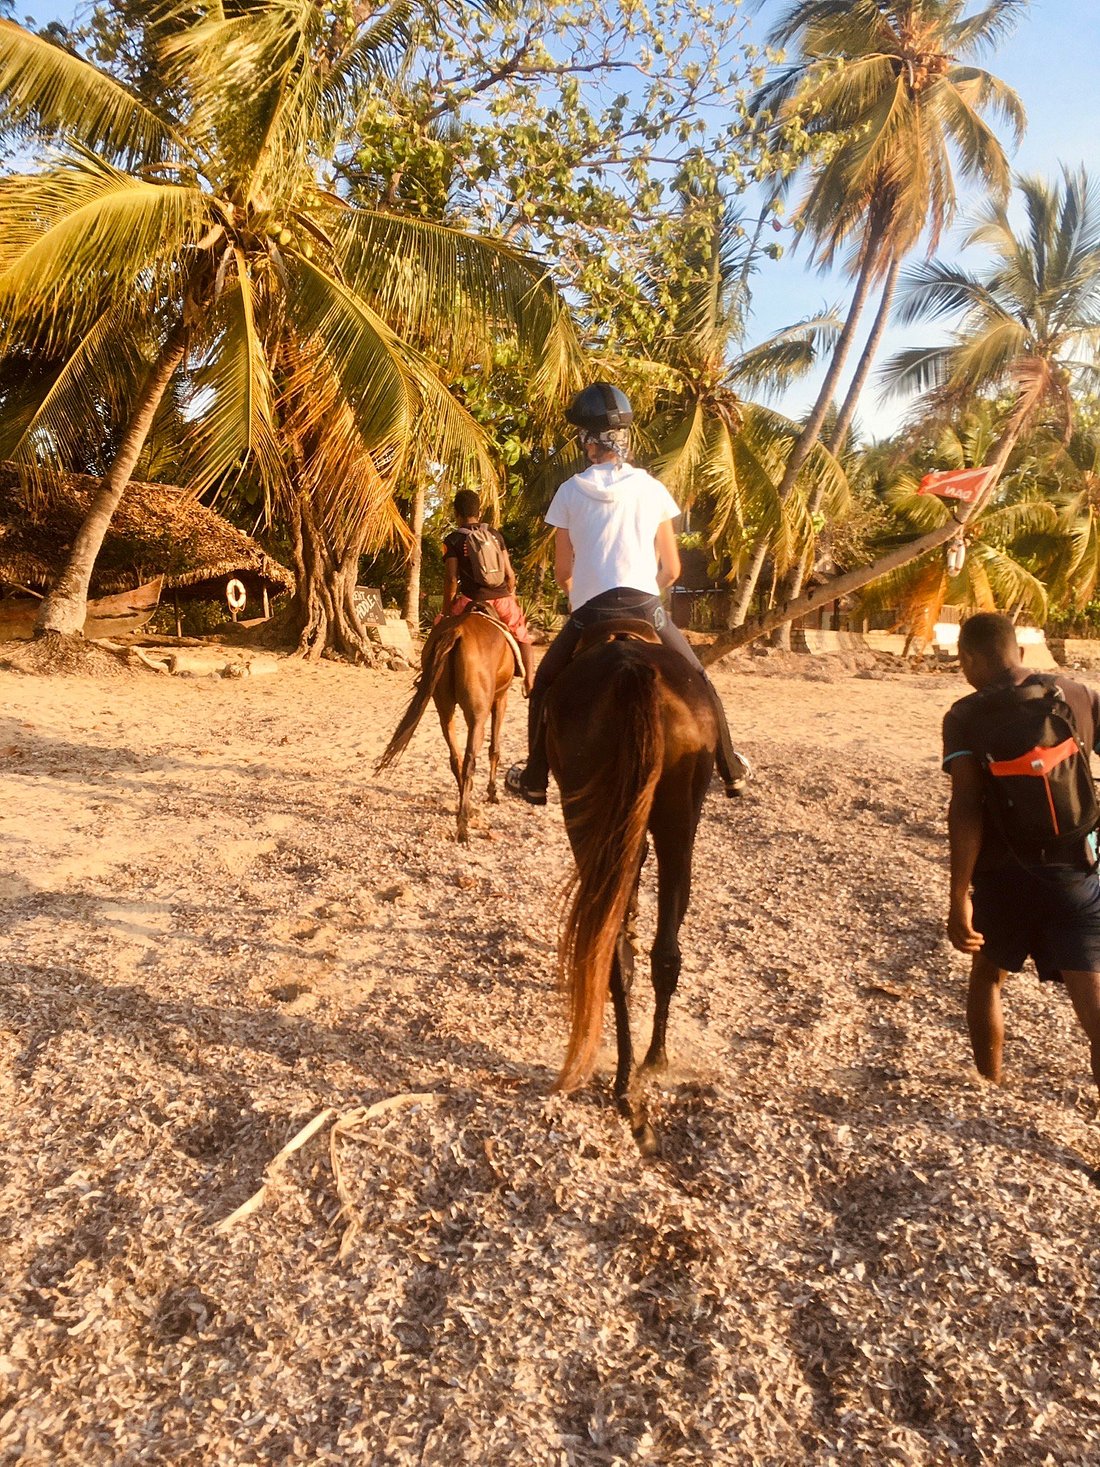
(156, 531)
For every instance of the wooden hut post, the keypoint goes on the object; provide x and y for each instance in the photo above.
(176, 599)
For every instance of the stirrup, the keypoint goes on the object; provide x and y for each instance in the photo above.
(736, 786)
(514, 785)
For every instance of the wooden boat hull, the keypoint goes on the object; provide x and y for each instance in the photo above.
(108, 616)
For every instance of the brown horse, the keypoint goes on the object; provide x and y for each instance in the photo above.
(466, 663)
(631, 736)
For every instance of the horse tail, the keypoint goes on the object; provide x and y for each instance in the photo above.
(441, 642)
(608, 820)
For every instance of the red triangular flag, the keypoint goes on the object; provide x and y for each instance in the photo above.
(964, 484)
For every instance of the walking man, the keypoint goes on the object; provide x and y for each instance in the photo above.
(1022, 827)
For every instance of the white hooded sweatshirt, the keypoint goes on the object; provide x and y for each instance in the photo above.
(612, 512)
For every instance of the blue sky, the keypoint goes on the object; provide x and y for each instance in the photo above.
(1052, 62)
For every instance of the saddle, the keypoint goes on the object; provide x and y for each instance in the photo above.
(476, 608)
(616, 629)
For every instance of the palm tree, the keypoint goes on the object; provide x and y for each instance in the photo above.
(202, 244)
(882, 84)
(1030, 327)
(1067, 557)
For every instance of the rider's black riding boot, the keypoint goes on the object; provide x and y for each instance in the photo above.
(733, 771)
(537, 774)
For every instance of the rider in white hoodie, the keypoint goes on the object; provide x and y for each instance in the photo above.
(615, 552)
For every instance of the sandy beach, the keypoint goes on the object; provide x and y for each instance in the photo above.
(219, 924)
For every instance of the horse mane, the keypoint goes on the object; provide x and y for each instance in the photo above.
(433, 660)
(607, 822)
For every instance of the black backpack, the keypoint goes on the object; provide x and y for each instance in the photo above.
(485, 558)
(1038, 780)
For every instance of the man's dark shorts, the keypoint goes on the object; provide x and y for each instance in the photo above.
(1050, 914)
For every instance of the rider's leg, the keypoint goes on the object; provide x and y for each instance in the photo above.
(558, 655)
(527, 652)
(733, 770)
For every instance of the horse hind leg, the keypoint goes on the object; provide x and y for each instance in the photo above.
(673, 844)
(475, 737)
(499, 705)
(665, 963)
(445, 707)
(628, 1098)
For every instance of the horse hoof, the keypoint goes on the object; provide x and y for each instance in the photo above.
(492, 798)
(655, 1064)
(646, 1137)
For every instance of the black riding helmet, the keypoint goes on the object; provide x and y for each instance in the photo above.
(599, 408)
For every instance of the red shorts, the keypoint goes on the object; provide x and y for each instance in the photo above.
(506, 607)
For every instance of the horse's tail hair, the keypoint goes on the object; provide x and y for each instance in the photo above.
(433, 660)
(611, 814)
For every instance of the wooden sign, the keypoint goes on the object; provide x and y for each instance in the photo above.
(368, 606)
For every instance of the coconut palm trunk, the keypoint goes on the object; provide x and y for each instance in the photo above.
(810, 434)
(791, 587)
(855, 580)
(64, 609)
(847, 412)
(416, 556)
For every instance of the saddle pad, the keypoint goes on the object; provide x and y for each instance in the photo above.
(478, 610)
(617, 629)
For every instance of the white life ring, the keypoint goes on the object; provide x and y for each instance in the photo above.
(235, 594)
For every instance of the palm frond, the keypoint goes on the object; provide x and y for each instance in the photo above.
(680, 439)
(84, 399)
(49, 91)
(1010, 584)
(970, 91)
(364, 354)
(452, 287)
(236, 427)
(274, 83)
(917, 369)
(986, 358)
(785, 356)
(350, 495)
(985, 28)
(916, 592)
(83, 232)
(933, 289)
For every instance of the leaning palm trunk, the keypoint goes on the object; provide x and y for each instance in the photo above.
(855, 580)
(807, 439)
(323, 612)
(63, 611)
(791, 587)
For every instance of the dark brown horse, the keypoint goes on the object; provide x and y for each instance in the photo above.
(466, 664)
(631, 737)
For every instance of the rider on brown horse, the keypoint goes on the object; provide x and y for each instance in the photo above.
(461, 584)
(615, 552)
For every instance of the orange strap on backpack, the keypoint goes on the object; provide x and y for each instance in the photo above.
(1036, 762)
